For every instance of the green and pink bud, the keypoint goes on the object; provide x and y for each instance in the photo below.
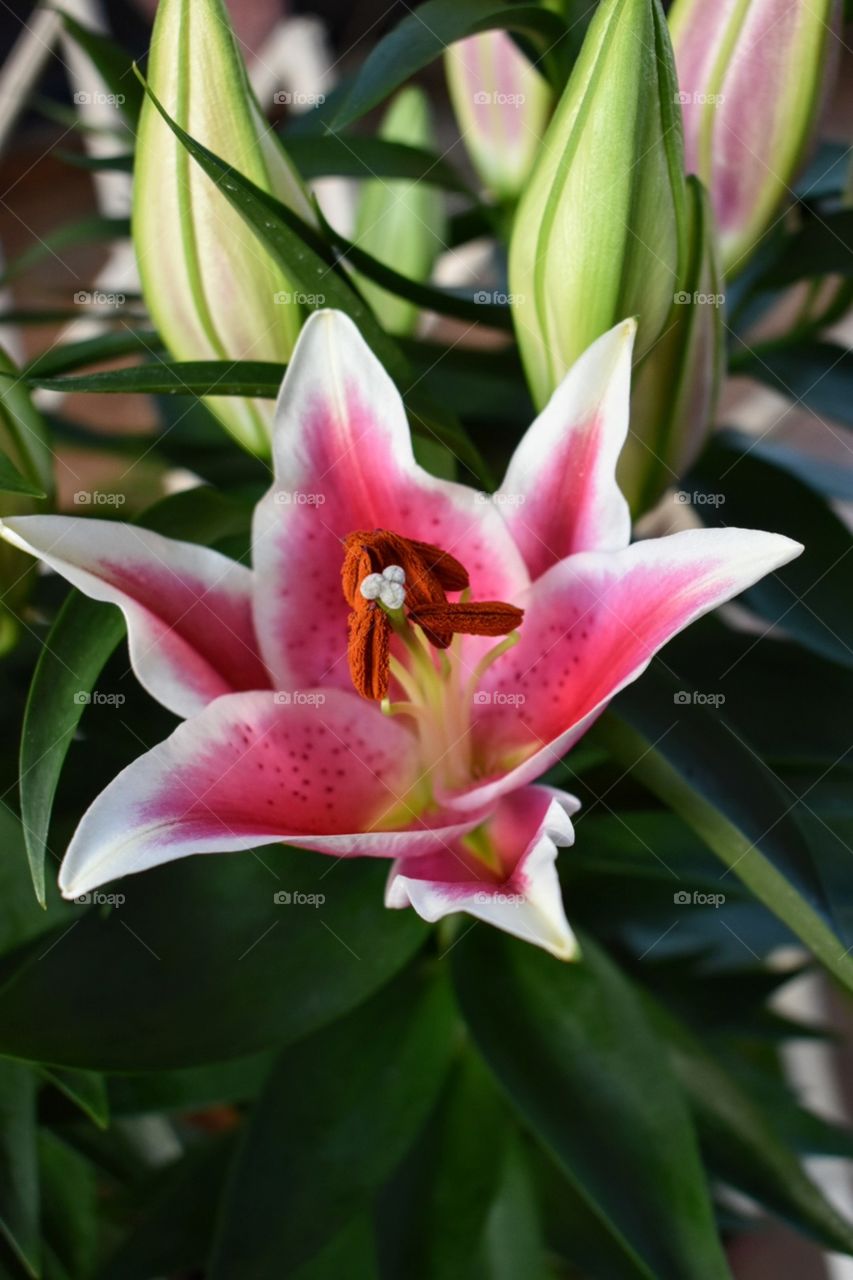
(752, 77)
(677, 385)
(212, 289)
(502, 104)
(601, 228)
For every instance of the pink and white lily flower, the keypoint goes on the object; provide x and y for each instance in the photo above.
(432, 764)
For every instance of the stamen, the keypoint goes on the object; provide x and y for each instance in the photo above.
(369, 651)
(479, 618)
(396, 588)
(486, 661)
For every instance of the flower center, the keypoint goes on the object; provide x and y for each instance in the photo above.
(397, 589)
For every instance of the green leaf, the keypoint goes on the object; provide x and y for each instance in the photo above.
(82, 638)
(105, 346)
(93, 229)
(351, 1253)
(625, 870)
(822, 247)
(24, 438)
(19, 1180)
(483, 386)
(338, 1112)
(69, 1210)
(815, 374)
(193, 1089)
(827, 171)
(514, 1244)
(79, 643)
(708, 775)
(433, 1214)
(830, 842)
(742, 1147)
(224, 972)
(86, 1089)
(575, 1232)
(305, 258)
(801, 728)
(572, 1048)
(11, 481)
(113, 64)
(178, 377)
(175, 1221)
(122, 162)
(424, 34)
(353, 156)
(821, 474)
(38, 315)
(809, 596)
(21, 918)
(442, 301)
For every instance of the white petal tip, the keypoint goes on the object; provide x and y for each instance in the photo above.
(8, 534)
(567, 949)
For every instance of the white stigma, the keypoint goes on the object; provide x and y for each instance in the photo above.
(387, 587)
(392, 595)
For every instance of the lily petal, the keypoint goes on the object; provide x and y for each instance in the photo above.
(343, 462)
(322, 772)
(522, 895)
(188, 609)
(592, 624)
(560, 494)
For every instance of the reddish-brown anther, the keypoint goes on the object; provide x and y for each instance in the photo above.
(429, 573)
(476, 618)
(429, 570)
(451, 575)
(369, 651)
